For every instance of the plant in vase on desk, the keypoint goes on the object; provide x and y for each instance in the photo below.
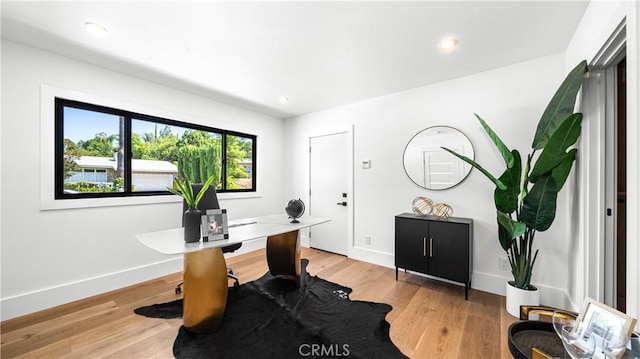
(526, 201)
(192, 219)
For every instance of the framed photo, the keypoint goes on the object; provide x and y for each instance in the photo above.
(214, 225)
(596, 317)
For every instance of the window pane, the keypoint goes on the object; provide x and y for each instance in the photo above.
(162, 152)
(91, 143)
(239, 163)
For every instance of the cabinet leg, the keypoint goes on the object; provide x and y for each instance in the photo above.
(396, 274)
(466, 290)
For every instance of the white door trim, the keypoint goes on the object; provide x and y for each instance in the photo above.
(598, 98)
(352, 201)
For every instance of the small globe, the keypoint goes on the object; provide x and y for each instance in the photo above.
(294, 209)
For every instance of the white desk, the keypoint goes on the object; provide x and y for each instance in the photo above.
(205, 269)
(171, 241)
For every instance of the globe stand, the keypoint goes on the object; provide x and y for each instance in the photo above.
(294, 220)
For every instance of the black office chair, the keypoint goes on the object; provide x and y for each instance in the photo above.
(210, 201)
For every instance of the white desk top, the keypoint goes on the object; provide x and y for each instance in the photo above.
(171, 241)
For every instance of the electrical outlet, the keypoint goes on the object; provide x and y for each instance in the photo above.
(367, 239)
(503, 264)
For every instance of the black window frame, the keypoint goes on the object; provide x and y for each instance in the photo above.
(61, 103)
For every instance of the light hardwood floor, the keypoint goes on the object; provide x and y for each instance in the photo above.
(430, 319)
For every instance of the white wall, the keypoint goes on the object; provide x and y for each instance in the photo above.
(52, 257)
(511, 99)
(598, 24)
(56, 256)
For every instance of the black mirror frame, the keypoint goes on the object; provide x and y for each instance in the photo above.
(416, 135)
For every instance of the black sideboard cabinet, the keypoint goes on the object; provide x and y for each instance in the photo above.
(436, 247)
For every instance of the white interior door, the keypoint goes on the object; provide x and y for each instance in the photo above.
(328, 195)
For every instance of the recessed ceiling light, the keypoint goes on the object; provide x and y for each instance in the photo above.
(95, 29)
(283, 99)
(448, 43)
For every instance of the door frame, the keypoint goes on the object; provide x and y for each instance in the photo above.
(599, 105)
(611, 179)
(350, 190)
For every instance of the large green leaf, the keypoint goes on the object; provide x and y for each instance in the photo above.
(507, 200)
(504, 151)
(539, 205)
(514, 228)
(527, 169)
(504, 237)
(473, 163)
(561, 105)
(554, 153)
(561, 172)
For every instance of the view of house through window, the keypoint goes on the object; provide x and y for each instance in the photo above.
(91, 142)
(109, 152)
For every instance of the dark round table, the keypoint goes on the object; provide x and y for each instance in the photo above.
(526, 334)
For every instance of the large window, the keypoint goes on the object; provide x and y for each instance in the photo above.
(106, 152)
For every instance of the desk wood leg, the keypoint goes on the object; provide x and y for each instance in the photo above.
(205, 290)
(283, 255)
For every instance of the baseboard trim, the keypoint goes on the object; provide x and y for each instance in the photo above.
(550, 296)
(372, 256)
(31, 302)
(26, 303)
(46, 298)
(480, 281)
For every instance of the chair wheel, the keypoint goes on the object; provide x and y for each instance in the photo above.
(178, 290)
(230, 271)
(236, 284)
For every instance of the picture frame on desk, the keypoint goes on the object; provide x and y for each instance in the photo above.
(215, 225)
(596, 317)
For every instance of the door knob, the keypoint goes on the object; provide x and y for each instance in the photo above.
(342, 204)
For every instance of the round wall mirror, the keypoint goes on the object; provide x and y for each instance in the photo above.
(431, 167)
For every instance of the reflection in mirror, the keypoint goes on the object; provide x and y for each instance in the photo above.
(431, 167)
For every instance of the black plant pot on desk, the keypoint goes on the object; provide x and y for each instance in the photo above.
(192, 225)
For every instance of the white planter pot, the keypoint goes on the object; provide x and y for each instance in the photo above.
(517, 297)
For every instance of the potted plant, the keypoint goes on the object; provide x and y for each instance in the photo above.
(192, 214)
(526, 192)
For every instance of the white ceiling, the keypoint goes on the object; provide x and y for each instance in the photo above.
(318, 54)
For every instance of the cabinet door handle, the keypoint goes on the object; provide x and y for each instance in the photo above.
(430, 247)
(424, 246)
